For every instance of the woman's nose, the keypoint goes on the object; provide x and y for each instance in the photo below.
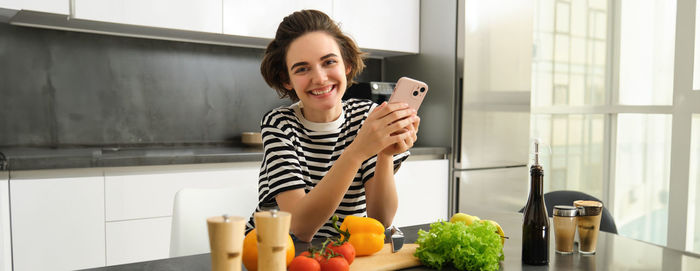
(320, 75)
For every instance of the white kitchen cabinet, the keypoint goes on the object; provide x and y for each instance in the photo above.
(5, 245)
(137, 240)
(51, 6)
(57, 219)
(139, 203)
(383, 28)
(388, 25)
(422, 186)
(261, 18)
(202, 16)
(147, 192)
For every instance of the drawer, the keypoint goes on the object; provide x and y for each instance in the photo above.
(137, 240)
(147, 192)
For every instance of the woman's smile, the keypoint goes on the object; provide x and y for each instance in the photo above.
(323, 91)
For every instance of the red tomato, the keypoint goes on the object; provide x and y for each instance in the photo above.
(347, 250)
(337, 263)
(304, 263)
(317, 256)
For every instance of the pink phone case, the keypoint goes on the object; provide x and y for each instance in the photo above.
(409, 91)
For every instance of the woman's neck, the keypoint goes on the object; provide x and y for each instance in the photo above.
(322, 116)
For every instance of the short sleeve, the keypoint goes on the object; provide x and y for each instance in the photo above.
(280, 170)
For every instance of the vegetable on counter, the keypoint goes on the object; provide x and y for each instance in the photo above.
(366, 234)
(322, 259)
(250, 250)
(473, 247)
(335, 254)
(342, 246)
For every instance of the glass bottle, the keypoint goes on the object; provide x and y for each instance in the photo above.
(535, 222)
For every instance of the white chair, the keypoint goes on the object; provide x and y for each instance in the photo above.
(193, 206)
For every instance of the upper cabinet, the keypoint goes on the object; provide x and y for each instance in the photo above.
(260, 18)
(51, 6)
(388, 25)
(383, 28)
(202, 15)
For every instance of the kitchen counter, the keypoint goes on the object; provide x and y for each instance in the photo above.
(614, 252)
(56, 158)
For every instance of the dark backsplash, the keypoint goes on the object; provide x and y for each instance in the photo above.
(65, 89)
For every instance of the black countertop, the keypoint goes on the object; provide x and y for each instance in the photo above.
(57, 158)
(613, 252)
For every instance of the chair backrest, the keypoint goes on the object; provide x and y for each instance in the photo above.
(567, 197)
(192, 207)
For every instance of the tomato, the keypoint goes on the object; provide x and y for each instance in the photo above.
(304, 263)
(347, 250)
(317, 256)
(337, 263)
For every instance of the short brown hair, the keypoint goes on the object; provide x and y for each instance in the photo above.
(274, 64)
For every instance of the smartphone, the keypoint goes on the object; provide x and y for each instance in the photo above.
(409, 91)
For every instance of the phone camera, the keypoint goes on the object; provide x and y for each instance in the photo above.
(415, 93)
(422, 89)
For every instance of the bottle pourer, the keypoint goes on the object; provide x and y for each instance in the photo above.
(537, 152)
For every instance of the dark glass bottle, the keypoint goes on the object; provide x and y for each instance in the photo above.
(535, 221)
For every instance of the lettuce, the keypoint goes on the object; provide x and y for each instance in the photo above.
(473, 247)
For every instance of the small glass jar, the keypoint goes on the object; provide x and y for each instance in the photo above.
(564, 218)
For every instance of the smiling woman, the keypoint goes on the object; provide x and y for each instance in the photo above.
(325, 156)
(320, 83)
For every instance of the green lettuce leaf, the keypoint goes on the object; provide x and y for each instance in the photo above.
(473, 247)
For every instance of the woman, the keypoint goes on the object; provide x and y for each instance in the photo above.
(324, 156)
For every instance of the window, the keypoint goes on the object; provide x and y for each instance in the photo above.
(605, 100)
(647, 32)
(642, 176)
(574, 158)
(696, 70)
(569, 71)
(694, 185)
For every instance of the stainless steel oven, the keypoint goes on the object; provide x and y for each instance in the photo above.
(375, 91)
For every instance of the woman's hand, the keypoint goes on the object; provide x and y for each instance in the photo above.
(387, 125)
(406, 138)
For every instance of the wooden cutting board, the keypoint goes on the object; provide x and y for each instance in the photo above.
(385, 260)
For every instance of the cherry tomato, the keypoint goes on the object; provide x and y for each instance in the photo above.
(317, 256)
(304, 263)
(347, 250)
(337, 263)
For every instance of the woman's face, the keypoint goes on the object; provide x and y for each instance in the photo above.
(317, 74)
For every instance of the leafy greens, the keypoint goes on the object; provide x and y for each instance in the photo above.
(473, 247)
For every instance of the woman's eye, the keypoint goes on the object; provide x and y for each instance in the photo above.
(331, 61)
(300, 70)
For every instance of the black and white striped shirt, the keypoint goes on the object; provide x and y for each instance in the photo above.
(298, 153)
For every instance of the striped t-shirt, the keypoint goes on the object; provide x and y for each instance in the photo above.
(298, 153)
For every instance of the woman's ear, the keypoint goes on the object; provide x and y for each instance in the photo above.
(348, 68)
(288, 86)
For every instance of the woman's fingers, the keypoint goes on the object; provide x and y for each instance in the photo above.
(398, 115)
(416, 123)
(405, 123)
(387, 109)
(391, 128)
(377, 112)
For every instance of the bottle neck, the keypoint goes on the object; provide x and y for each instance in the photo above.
(536, 181)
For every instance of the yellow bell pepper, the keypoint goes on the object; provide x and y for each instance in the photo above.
(366, 234)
